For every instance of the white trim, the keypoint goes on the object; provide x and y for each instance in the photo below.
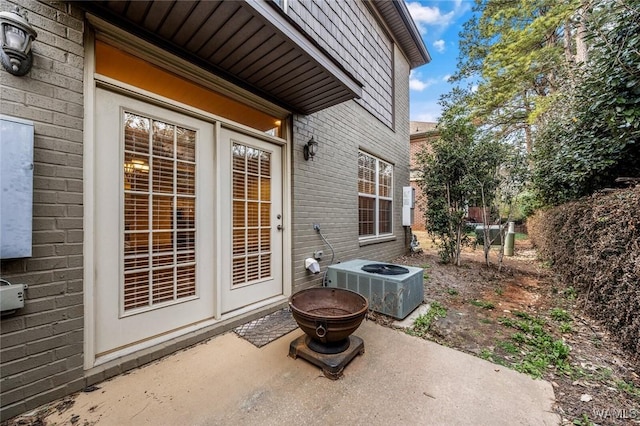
(217, 246)
(92, 82)
(88, 199)
(377, 237)
(194, 328)
(287, 210)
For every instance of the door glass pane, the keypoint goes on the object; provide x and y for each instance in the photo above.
(163, 285)
(185, 178)
(159, 212)
(186, 144)
(251, 214)
(253, 188)
(163, 173)
(253, 160)
(265, 215)
(239, 185)
(186, 276)
(239, 270)
(136, 133)
(163, 139)
(136, 289)
(265, 189)
(136, 172)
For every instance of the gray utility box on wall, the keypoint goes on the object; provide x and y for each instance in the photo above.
(393, 295)
(16, 187)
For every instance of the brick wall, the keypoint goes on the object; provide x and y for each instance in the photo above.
(418, 144)
(352, 34)
(42, 344)
(325, 190)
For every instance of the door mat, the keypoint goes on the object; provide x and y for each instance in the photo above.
(268, 328)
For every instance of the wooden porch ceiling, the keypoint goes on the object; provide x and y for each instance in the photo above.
(251, 44)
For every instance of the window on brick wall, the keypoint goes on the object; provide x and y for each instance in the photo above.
(375, 196)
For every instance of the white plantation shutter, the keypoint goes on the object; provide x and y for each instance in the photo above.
(159, 212)
(375, 196)
(251, 214)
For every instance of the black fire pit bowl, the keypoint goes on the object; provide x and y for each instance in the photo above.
(328, 315)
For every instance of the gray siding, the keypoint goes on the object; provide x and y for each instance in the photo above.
(41, 351)
(325, 190)
(353, 36)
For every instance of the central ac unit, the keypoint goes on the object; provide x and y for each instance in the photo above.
(393, 295)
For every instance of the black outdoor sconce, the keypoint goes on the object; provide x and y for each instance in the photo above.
(16, 35)
(310, 149)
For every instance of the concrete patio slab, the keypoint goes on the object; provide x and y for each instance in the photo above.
(399, 379)
(408, 322)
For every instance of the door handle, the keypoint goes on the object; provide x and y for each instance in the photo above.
(279, 227)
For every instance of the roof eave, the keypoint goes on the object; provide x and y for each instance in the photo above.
(397, 16)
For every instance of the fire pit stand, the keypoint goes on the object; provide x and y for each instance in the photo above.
(332, 364)
(328, 316)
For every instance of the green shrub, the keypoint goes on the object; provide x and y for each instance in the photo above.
(593, 244)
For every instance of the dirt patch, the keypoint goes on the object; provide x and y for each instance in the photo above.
(524, 318)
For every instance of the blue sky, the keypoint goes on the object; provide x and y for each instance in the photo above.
(439, 23)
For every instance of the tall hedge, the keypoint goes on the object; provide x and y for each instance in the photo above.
(593, 244)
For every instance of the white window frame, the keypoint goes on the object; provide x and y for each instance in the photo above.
(377, 197)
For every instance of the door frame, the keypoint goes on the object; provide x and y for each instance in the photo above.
(92, 81)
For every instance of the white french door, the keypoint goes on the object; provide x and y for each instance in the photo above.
(187, 222)
(154, 230)
(251, 224)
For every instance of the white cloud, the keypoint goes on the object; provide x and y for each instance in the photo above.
(425, 111)
(428, 117)
(415, 83)
(446, 78)
(439, 45)
(425, 16)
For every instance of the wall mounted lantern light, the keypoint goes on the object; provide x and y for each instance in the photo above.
(16, 35)
(310, 149)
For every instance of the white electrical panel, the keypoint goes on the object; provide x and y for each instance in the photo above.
(408, 205)
(11, 296)
(408, 196)
(16, 187)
